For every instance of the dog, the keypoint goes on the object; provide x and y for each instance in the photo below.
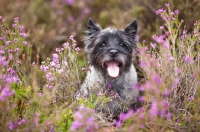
(110, 53)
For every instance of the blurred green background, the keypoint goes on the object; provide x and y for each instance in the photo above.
(49, 23)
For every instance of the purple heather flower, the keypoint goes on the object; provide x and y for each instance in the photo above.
(6, 92)
(7, 31)
(169, 115)
(15, 40)
(11, 125)
(157, 79)
(10, 57)
(153, 45)
(90, 120)
(53, 64)
(48, 75)
(184, 31)
(3, 60)
(58, 50)
(188, 59)
(2, 52)
(172, 13)
(65, 45)
(60, 70)
(21, 121)
(141, 98)
(14, 25)
(78, 115)
(135, 86)
(40, 94)
(143, 64)
(125, 116)
(166, 44)
(175, 83)
(2, 38)
(46, 68)
(76, 125)
(1, 17)
(166, 93)
(55, 57)
(54, 100)
(160, 11)
(118, 123)
(23, 35)
(69, 2)
(70, 19)
(8, 42)
(176, 11)
(141, 116)
(86, 10)
(154, 109)
(25, 43)
(16, 50)
(99, 94)
(21, 29)
(195, 33)
(42, 67)
(167, 4)
(16, 19)
(161, 27)
(77, 49)
(3, 20)
(71, 37)
(65, 63)
(36, 118)
(10, 51)
(33, 64)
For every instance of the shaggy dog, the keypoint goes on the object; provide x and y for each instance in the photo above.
(110, 53)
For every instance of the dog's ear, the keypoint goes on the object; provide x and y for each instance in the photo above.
(92, 27)
(131, 29)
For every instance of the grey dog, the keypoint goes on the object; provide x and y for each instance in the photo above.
(110, 53)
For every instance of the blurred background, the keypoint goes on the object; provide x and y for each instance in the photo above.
(49, 23)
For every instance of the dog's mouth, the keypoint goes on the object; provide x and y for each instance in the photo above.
(113, 68)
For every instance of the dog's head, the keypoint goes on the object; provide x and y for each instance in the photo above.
(110, 50)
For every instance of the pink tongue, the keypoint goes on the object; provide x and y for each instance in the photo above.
(113, 69)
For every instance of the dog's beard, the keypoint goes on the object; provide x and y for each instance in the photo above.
(113, 66)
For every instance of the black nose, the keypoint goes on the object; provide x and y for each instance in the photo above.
(113, 53)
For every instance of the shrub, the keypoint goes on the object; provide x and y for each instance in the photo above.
(36, 97)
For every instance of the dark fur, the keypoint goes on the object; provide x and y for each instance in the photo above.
(104, 45)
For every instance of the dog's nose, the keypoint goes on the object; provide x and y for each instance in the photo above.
(113, 53)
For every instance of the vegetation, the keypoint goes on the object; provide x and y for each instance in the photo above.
(37, 90)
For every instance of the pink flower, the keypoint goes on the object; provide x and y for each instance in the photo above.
(167, 4)
(176, 11)
(153, 45)
(76, 125)
(15, 40)
(69, 2)
(166, 44)
(36, 118)
(154, 109)
(8, 42)
(157, 79)
(161, 27)
(125, 116)
(16, 19)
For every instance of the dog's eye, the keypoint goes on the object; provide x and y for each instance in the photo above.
(121, 44)
(103, 44)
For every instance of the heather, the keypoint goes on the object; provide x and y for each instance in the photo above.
(37, 92)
